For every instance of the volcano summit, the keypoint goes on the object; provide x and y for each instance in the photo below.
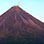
(20, 27)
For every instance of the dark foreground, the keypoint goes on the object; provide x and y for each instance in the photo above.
(10, 40)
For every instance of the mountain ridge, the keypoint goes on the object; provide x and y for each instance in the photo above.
(22, 26)
(16, 7)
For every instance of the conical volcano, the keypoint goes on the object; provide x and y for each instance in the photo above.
(18, 26)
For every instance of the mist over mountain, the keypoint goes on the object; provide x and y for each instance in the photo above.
(19, 27)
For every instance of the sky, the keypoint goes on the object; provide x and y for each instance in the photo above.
(34, 7)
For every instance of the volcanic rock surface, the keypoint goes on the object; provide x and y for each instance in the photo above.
(19, 27)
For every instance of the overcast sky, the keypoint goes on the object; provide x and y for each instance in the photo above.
(34, 7)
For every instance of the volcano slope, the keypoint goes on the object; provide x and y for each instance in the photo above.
(19, 27)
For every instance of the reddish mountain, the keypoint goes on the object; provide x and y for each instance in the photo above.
(18, 26)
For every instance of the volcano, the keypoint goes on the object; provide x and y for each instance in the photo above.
(19, 27)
